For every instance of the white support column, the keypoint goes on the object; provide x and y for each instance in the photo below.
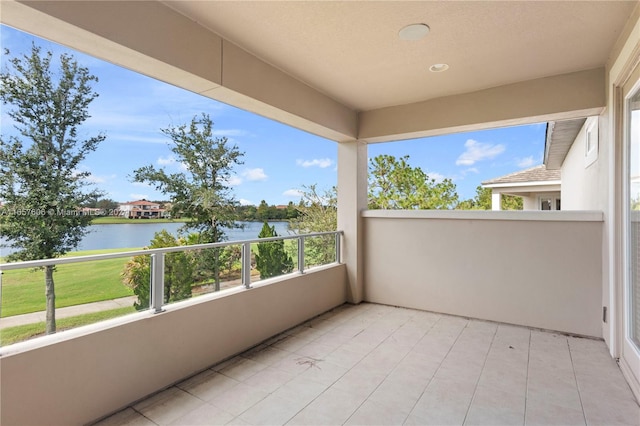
(495, 200)
(352, 199)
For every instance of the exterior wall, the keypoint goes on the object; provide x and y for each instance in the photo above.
(584, 185)
(529, 268)
(92, 371)
(530, 202)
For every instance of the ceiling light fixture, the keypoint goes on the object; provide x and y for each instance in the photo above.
(414, 32)
(438, 67)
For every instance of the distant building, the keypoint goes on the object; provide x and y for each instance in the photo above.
(141, 209)
(539, 188)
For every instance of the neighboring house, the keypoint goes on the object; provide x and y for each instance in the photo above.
(569, 173)
(538, 187)
(141, 209)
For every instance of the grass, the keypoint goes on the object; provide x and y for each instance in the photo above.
(23, 332)
(112, 220)
(75, 284)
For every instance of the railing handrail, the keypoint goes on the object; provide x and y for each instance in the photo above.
(106, 256)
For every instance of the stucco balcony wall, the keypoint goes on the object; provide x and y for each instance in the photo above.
(78, 376)
(537, 269)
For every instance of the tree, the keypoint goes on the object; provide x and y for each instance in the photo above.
(482, 201)
(40, 185)
(394, 184)
(272, 260)
(201, 192)
(178, 272)
(317, 212)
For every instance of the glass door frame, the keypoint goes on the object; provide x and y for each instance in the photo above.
(628, 351)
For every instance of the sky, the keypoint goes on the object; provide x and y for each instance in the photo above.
(278, 160)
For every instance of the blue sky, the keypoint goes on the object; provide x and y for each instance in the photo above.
(278, 160)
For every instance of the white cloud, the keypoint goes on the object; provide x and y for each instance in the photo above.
(472, 170)
(526, 162)
(244, 202)
(477, 151)
(130, 138)
(229, 132)
(438, 177)
(100, 179)
(234, 181)
(136, 197)
(323, 163)
(255, 174)
(294, 193)
(166, 161)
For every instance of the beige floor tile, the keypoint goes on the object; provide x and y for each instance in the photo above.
(269, 379)
(551, 414)
(297, 364)
(325, 372)
(402, 395)
(316, 350)
(375, 413)
(273, 410)
(312, 417)
(128, 417)
(344, 357)
(243, 369)
(444, 402)
(492, 406)
(208, 384)
(239, 399)
(334, 406)
(300, 390)
(168, 405)
(268, 355)
(291, 343)
(204, 415)
(359, 381)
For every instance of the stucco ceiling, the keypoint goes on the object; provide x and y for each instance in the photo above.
(351, 50)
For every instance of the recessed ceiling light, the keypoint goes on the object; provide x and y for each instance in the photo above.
(438, 67)
(414, 32)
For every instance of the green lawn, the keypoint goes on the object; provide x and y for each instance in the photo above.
(75, 284)
(23, 332)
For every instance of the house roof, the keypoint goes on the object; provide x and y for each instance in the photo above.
(538, 174)
(559, 138)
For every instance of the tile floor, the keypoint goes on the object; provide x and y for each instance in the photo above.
(377, 365)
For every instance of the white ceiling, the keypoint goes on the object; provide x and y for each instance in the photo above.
(351, 50)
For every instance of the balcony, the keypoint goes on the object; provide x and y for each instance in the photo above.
(426, 361)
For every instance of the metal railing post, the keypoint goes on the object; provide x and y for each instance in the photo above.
(338, 245)
(301, 254)
(246, 265)
(157, 282)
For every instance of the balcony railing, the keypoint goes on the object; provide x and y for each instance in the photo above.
(306, 251)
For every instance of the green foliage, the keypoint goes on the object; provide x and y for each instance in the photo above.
(394, 184)
(41, 186)
(202, 192)
(482, 201)
(178, 273)
(272, 259)
(266, 212)
(317, 212)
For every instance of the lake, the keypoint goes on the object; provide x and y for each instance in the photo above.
(139, 235)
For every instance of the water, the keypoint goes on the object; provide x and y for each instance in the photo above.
(139, 235)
